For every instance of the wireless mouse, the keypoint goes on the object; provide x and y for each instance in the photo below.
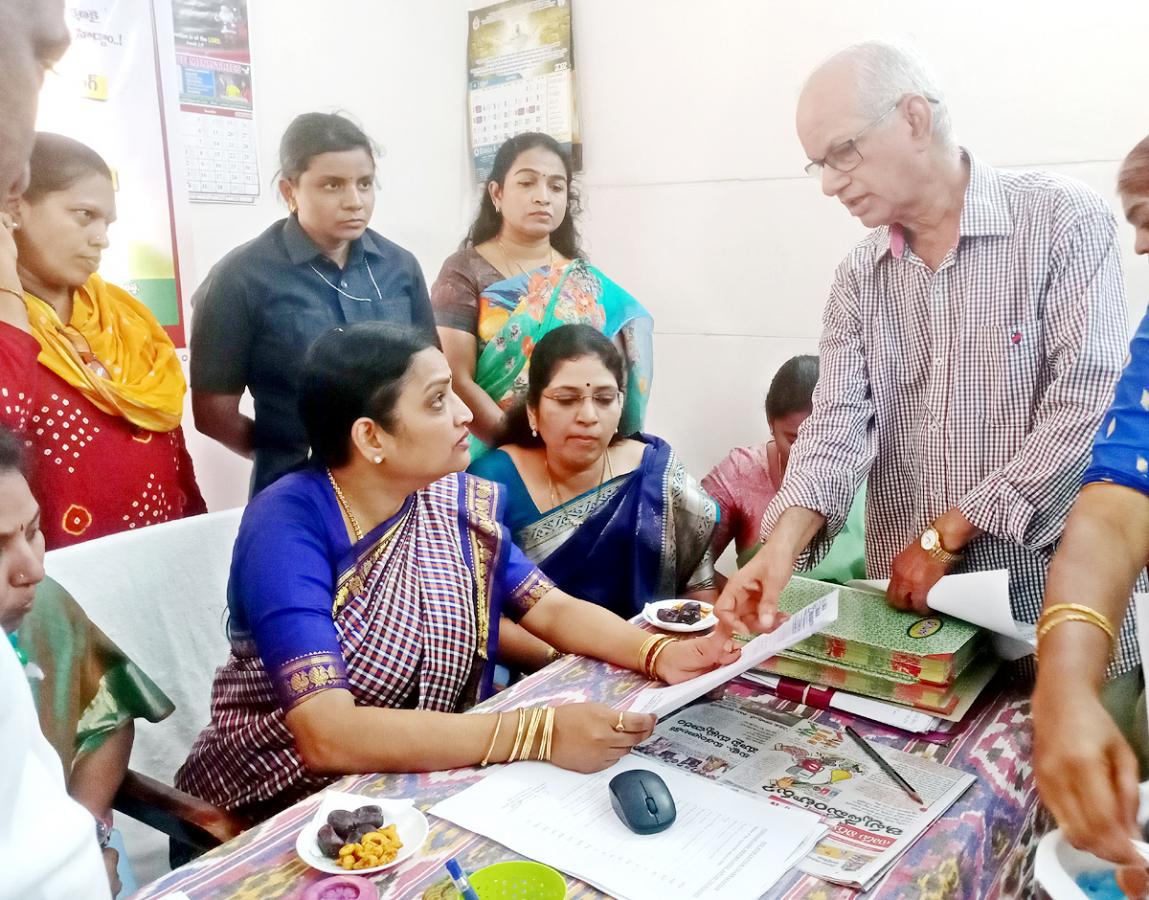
(642, 800)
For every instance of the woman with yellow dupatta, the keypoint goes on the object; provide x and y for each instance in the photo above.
(87, 375)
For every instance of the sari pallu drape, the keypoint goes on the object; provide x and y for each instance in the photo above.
(643, 536)
(516, 313)
(416, 615)
(84, 686)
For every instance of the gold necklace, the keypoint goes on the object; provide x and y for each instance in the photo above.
(509, 260)
(602, 478)
(345, 506)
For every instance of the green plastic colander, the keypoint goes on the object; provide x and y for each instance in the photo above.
(518, 881)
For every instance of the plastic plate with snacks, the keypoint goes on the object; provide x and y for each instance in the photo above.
(370, 824)
(680, 615)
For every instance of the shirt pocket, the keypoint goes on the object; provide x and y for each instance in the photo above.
(1007, 365)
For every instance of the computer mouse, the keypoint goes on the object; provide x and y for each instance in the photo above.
(642, 800)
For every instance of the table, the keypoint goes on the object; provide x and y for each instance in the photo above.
(982, 848)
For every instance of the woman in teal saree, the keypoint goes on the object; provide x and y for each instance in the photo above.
(518, 276)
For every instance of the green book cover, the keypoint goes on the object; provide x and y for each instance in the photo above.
(936, 699)
(870, 634)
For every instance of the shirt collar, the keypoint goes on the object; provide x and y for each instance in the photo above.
(301, 248)
(985, 210)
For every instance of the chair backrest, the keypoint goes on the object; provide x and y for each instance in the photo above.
(160, 593)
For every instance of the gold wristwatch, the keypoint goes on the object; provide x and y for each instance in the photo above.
(932, 543)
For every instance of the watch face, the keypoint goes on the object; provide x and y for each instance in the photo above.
(929, 539)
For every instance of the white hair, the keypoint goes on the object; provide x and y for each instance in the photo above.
(884, 73)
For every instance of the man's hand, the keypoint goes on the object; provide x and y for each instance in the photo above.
(914, 571)
(749, 602)
(912, 574)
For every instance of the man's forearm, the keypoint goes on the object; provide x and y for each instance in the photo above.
(794, 531)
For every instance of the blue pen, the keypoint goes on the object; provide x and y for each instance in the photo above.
(460, 878)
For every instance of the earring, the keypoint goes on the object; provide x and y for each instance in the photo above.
(377, 460)
(498, 210)
(534, 433)
(291, 207)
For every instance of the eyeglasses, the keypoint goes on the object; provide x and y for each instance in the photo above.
(845, 157)
(571, 400)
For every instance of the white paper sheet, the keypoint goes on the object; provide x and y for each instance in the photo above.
(664, 700)
(981, 598)
(724, 844)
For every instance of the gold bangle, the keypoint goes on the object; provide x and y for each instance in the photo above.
(651, 669)
(548, 723)
(1046, 620)
(1070, 617)
(19, 295)
(644, 650)
(532, 729)
(550, 733)
(494, 738)
(518, 734)
(652, 652)
(654, 676)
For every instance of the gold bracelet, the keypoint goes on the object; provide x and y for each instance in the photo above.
(548, 735)
(651, 654)
(518, 734)
(1052, 616)
(494, 738)
(653, 669)
(532, 729)
(644, 650)
(653, 651)
(19, 295)
(654, 662)
(1069, 617)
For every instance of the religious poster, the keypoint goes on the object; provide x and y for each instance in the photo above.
(105, 93)
(217, 123)
(520, 65)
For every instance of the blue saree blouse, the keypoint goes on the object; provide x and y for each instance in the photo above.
(646, 534)
(1121, 447)
(294, 566)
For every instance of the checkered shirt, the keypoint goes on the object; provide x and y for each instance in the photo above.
(978, 386)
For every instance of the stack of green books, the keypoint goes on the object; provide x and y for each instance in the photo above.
(928, 662)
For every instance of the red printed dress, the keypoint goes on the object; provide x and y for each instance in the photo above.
(93, 473)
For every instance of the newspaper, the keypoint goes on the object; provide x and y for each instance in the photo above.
(750, 746)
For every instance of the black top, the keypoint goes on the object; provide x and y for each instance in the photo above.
(261, 307)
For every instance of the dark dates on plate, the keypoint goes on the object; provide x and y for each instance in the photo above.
(341, 821)
(689, 613)
(330, 843)
(369, 815)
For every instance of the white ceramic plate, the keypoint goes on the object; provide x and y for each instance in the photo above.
(650, 613)
(408, 821)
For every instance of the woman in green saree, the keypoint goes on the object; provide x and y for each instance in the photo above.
(87, 692)
(518, 276)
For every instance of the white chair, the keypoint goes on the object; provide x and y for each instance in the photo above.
(160, 593)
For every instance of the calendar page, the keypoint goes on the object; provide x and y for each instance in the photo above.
(217, 121)
(521, 69)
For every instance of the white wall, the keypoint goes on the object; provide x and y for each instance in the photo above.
(694, 190)
(399, 68)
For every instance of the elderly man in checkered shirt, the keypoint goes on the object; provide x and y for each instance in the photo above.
(970, 346)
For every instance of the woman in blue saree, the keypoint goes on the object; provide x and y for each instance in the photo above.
(613, 519)
(366, 596)
(519, 275)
